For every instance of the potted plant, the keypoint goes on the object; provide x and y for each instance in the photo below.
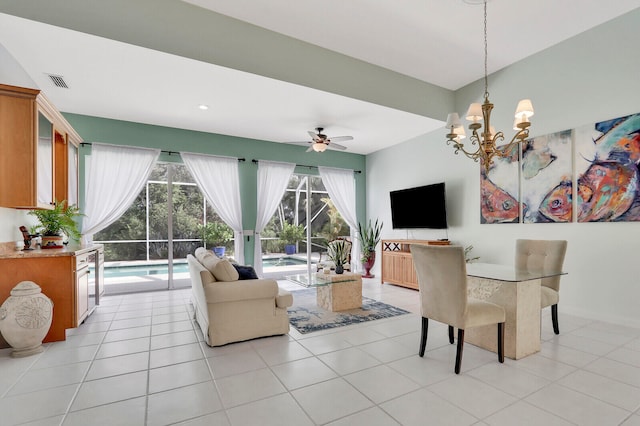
(369, 236)
(338, 252)
(290, 235)
(216, 235)
(53, 223)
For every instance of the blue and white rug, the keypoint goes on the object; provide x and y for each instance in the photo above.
(306, 316)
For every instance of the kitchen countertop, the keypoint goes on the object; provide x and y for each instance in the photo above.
(8, 251)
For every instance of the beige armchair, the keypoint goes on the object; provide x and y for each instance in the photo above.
(230, 309)
(535, 255)
(442, 281)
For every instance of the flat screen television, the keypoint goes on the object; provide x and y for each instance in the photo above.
(419, 207)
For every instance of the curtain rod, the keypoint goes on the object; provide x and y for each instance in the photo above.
(254, 161)
(162, 151)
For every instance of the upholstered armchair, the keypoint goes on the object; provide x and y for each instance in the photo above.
(535, 255)
(442, 281)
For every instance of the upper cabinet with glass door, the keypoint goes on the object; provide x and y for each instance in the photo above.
(37, 148)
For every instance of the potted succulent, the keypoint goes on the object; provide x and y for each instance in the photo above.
(338, 253)
(216, 235)
(369, 236)
(290, 235)
(53, 223)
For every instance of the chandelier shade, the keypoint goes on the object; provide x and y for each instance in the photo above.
(484, 137)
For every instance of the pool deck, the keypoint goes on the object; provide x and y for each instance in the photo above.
(140, 283)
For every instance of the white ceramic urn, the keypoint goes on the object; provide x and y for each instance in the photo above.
(25, 318)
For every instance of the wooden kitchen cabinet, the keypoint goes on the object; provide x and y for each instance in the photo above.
(63, 276)
(397, 263)
(35, 164)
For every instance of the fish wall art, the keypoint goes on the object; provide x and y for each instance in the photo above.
(547, 171)
(607, 156)
(499, 190)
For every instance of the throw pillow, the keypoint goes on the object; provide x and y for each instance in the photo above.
(246, 272)
(224, 271)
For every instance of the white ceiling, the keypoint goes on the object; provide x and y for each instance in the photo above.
(438, 41)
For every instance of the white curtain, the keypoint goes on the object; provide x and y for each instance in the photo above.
(115, 176)
(272, 182)
(341, 186)
(218, 180)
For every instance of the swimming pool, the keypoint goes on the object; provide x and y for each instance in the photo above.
(163, 269)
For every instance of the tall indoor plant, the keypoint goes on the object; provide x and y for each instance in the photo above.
(55, 222)
(369, 235)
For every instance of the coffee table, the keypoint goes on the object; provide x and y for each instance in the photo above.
(334, 292)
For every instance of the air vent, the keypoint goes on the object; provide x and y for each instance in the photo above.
(58, 81)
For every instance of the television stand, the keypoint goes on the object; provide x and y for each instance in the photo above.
(397, 263)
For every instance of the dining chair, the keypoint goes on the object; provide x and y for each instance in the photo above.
(534, 255)
(442, 282)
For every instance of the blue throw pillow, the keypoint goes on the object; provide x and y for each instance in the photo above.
(245, 272)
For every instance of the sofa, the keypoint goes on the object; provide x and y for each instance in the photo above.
(231, 308)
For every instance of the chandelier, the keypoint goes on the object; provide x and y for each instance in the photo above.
(483, 136)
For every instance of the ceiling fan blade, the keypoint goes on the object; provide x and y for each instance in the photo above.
(313, 135)
(309, 149)
(341, 138)
(336, 146)
(299, 143)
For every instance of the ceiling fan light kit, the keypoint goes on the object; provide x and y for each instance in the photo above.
(486, 140)
(320, 142)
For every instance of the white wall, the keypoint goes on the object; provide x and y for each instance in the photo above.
(592, 77)
(12, 73)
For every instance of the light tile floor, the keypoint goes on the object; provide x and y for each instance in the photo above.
(139, 360)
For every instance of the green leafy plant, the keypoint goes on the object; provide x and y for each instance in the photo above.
(215, 234)
(467, 255)
(60, 219)
(291, 234)
(338, 252)
(369, 236)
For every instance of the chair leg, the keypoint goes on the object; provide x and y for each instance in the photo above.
(423, 338)
(459, 350)
(554, 318)
(501, 342)
(451, 334)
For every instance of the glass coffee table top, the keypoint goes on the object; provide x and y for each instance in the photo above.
(318, 280)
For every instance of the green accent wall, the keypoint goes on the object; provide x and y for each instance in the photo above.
(117, 132)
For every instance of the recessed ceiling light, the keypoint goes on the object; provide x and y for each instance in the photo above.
(203, 107)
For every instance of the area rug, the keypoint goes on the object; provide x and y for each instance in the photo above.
(306, 316)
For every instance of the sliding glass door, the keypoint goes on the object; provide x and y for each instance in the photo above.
(305, 203)
(146, 248)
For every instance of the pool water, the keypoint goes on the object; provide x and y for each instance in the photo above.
(144, 270)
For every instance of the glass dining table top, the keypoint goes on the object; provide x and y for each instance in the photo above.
(507, 273)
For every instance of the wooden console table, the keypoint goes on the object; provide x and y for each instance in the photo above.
(397, 264)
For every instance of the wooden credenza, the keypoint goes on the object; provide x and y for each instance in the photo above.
(63, 276)
(397, 264)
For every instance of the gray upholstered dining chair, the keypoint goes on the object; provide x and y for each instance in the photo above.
(534, 255)
(442, 281)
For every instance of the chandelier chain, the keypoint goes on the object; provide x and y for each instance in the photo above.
(486, 84)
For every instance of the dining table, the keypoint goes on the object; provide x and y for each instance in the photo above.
(518, 291)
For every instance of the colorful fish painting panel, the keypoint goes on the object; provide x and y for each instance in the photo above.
(547, 173)
(499, 190)
(607, 158)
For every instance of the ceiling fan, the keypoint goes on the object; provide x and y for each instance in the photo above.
(320, 142)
